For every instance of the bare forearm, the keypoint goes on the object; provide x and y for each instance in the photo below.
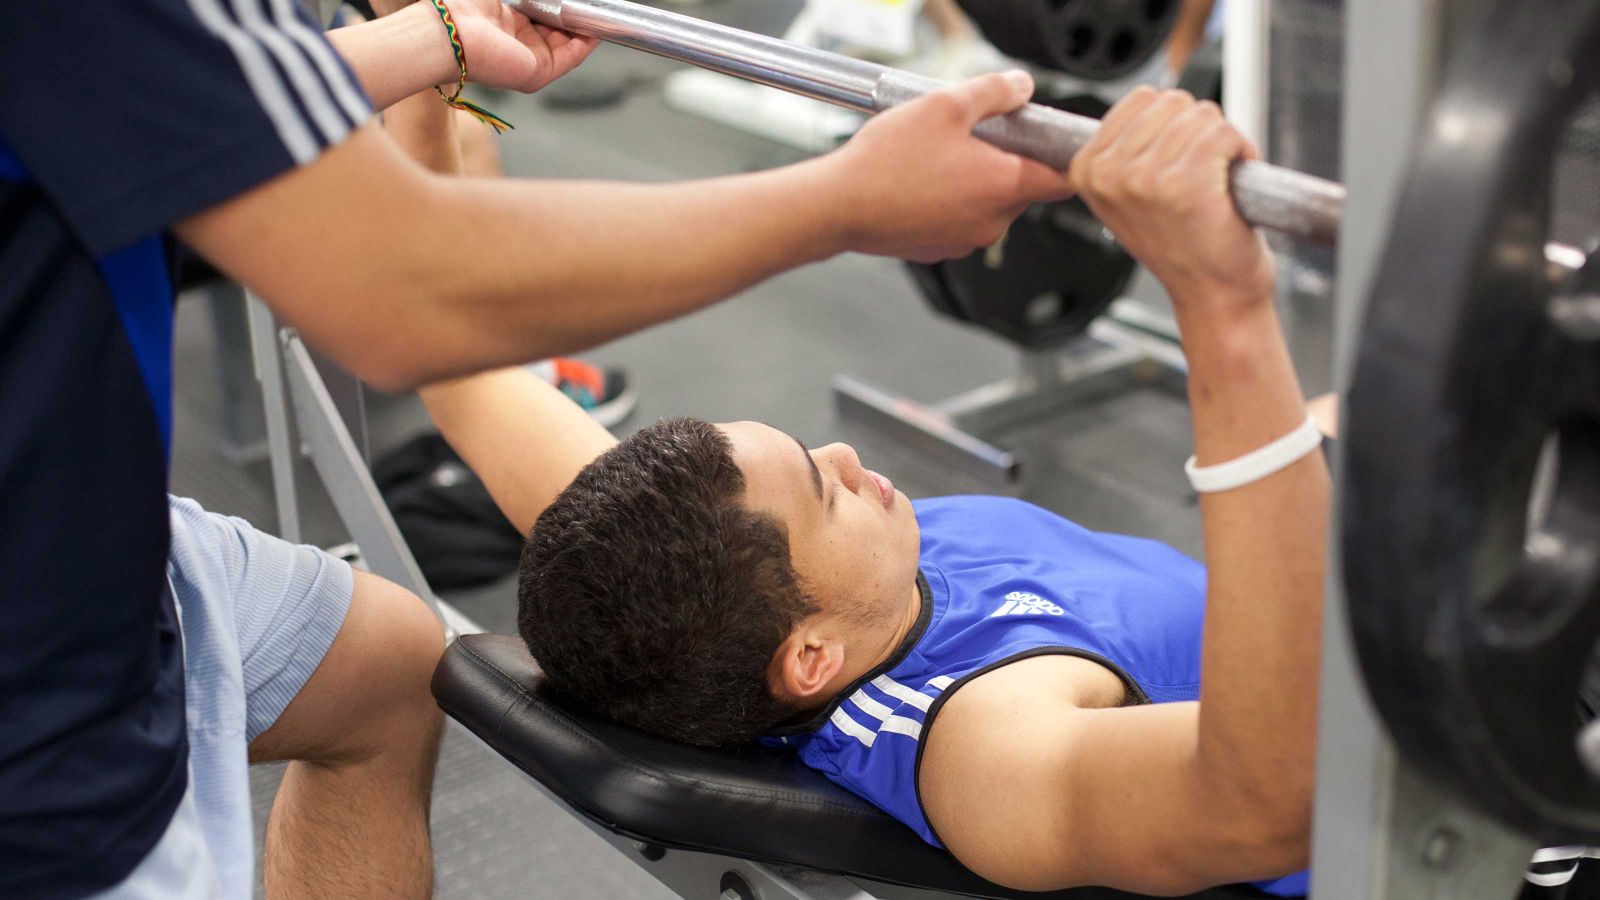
(397, 55)
(553, 267)
(408, 277)
(1265, 546)
(524, 438)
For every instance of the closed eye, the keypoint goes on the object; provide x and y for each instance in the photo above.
(815, 473)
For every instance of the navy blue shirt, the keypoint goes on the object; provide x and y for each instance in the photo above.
(118, 120)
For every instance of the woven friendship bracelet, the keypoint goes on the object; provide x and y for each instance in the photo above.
(482, 115)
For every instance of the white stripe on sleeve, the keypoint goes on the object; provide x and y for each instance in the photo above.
(321, 53)
(940, 682)
(264, 82)
(851, 727)
(902, 725)
(902, 693)
(309, 88)
(870, 706)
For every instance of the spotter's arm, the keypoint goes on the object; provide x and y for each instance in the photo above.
(524, 438)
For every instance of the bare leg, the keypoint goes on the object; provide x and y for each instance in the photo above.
(479, 154)
(351, 816)
(480, 157)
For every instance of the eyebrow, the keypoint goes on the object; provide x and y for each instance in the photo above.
(816, 474)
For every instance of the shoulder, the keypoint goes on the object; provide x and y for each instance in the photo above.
(1027, 698)
(985, 763)
(1028, 701)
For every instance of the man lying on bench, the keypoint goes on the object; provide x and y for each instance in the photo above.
(1008, 684)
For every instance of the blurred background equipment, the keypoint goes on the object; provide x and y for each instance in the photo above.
(1099, 40)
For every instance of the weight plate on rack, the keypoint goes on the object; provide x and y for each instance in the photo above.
(1471, 504)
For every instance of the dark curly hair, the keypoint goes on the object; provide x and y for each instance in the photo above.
(649, 592)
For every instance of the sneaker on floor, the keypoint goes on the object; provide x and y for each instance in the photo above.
(604, 393)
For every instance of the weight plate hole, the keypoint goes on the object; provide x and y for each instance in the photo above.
(1122, 47)
(1533, 564)
(1080, 41)
(1156, 10)
(1045, 308)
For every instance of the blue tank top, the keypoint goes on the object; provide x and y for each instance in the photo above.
(1003, 580)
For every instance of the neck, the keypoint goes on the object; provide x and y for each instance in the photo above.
(903, 623)
(874, 644)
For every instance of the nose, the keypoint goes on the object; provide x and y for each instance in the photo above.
(847, 465)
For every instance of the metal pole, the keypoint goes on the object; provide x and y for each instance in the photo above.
(1296, 204)
(1244, 69)
(283, 445)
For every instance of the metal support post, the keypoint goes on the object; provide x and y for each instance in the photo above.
(343, 470)
(1244, 67)
(283, 445)
(1382, 830)
(300, 407)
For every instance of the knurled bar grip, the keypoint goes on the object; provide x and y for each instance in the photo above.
(1267, 196)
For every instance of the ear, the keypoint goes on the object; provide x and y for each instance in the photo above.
(807, 663)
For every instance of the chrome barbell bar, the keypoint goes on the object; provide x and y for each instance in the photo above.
(1296, 204)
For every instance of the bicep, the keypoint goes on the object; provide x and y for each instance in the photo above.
(1047, 799)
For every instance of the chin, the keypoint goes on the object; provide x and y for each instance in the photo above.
(910, 536)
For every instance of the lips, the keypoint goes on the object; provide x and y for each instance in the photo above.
(885, 487)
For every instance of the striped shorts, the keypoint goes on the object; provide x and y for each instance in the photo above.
(258, 614)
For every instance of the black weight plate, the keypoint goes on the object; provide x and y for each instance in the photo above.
(1473, 629)
(1055, 271)
(1202, 74)
(1106, 39)
(1094, 39)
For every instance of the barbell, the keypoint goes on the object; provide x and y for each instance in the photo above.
(1268, 196)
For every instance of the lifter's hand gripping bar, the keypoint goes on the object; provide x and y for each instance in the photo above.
(1268, 196)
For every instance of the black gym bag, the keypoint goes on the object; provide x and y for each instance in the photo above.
(458, 536)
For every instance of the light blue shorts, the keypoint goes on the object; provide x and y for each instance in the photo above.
(258, 614)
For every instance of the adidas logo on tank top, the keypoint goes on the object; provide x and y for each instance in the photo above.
(1022, 603)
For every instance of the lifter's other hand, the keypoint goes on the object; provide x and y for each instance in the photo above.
(504, 48)
(1157, 175)
(919, 186)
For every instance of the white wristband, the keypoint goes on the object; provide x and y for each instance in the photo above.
(1257, 464)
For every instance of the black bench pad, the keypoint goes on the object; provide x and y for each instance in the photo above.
(752, 803)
